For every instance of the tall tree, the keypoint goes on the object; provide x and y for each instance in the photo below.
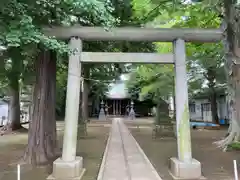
(207, 56)
(228, 11)
(232, 58)
(21, 26)
(13, 76)
(207, 67)
(42, 132)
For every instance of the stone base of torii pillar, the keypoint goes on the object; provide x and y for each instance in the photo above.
(72, 170)
(183, 171)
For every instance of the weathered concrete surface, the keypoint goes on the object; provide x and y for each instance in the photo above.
(135, 34)
(119, 57)
(123, 158)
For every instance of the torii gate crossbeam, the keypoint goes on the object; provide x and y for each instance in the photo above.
(119, 57)
(135, 34)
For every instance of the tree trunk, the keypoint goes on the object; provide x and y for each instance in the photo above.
(96, 105)
(14, 105)
(14, 109)
(42, 141)
(211, 77)
(214, 108)
(174, 108)
(13, 76)
(80, 109)
(232, 66)
(86, 71)
(158, 113)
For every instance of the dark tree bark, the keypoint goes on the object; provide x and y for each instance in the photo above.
(42, 141)
(174, 104)
(161, 112)
(86, 71)
(214, 108)
(13, 76)
(158, 114)
(231, 27)
(80, 109)
(14, 104)
(211, 77)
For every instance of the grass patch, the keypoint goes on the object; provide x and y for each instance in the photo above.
(234, 146)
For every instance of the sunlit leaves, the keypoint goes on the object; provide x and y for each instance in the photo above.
(202, 58)
(22, 21)
(21, 26)
(151, 81)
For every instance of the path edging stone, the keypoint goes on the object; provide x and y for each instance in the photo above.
(103, 163)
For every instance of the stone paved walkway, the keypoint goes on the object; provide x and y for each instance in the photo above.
(123, 158)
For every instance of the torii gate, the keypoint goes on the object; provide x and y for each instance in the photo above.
(184, 166)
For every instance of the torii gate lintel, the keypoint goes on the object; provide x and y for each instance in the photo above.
(135, 34)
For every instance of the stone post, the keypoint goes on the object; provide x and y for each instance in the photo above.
(132, 114)
(114, 107)
(106, 110)
(183, 167)
(102, 116)
(117, 107)
(69, 166)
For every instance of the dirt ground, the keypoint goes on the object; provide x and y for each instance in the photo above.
(216, 165)
(90, 148)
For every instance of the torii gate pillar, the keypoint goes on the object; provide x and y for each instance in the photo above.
(69, 166)
(183, 167)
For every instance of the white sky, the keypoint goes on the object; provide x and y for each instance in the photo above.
(124, 77)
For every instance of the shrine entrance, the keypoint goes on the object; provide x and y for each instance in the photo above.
(118, 107)
(182, 167)
(117, 99)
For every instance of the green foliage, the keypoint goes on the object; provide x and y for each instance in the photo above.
(156, 12)
(21, 26)
(100, 77)
(234, 146)
(21, 22)
(124, 13)
(205, 61)
(61, 86)
(151, 82)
